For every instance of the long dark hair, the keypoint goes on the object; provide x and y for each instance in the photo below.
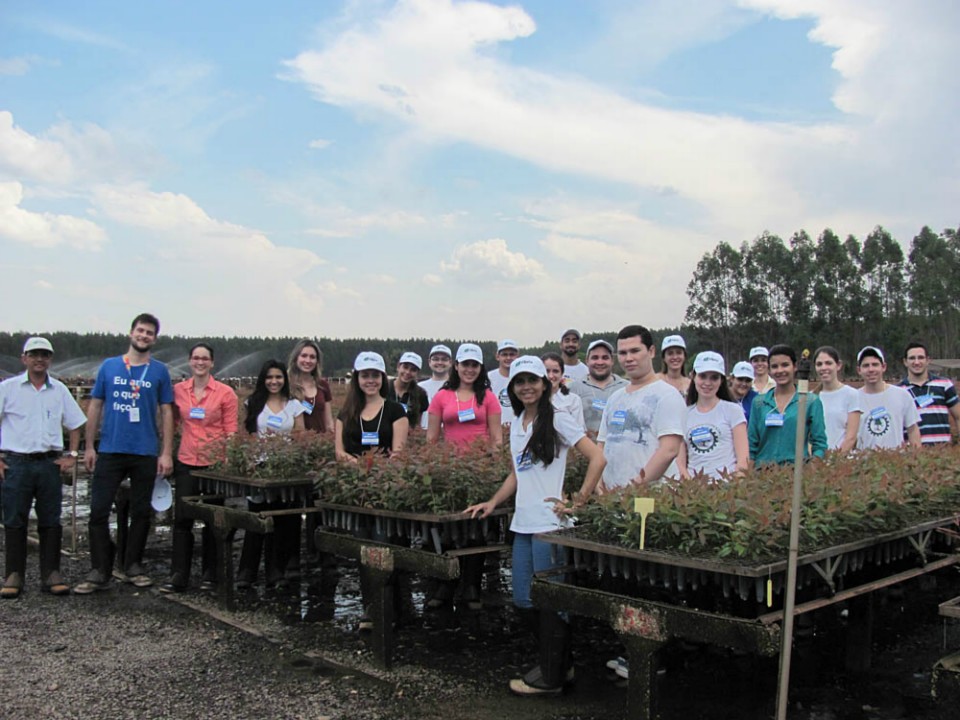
(832, 353)
(258, 399)
(723, 392)
(480, 387)
(542, 444)
(356, 400)
(564, 390)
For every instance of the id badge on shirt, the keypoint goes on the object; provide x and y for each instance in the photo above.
(274, 421)
(198, 413)
(599, 404)
(878, 413)
(466, 415)
(925, 400)
(135, 414)
(774, 420)
(370, 438)
(619, 418)
(523, 461)
(406, 408)
(307, 407)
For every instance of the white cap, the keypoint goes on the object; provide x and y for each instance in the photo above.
(412, 358)
(37, 343)
(441, 349)
(744, 369)
(162, 497)
(504, 344)
(709, 361)
(870, 350)
(527, 364)
(673, 341)
(571, 331)
(600, 343)
(470, 351)
(758, 350)
(370, 361)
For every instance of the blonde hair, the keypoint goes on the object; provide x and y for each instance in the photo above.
(295, 373)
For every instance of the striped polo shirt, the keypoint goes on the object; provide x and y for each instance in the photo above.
(933, 400)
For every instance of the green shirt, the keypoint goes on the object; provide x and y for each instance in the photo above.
(777, 444)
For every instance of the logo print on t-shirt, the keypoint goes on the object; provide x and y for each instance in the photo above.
(878, 422)
(703, 438)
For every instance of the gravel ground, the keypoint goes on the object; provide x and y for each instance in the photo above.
(129, 653)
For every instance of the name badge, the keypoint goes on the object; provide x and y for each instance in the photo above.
(466, 415)
(307, 407)
(523, 461)
(619, 418)
(274, 421)
(406, 408)
(925, 400)
(370, 438)
(774, 420)
(504, 399)
(134, 414)
(878, 412)
(197, 413)
(599, 404)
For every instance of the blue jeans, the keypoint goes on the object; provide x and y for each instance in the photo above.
(529, 556)
(28, 479)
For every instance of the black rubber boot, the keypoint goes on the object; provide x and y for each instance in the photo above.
(249, 565)
(208, 557)
(180, 563)
(16, 562)
(471, 574)
(51, 540)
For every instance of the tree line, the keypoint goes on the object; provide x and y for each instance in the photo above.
(844, 293)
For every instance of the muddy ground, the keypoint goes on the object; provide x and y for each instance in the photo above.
(128, 653)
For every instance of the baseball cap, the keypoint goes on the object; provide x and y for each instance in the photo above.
(441, 349)
(370, 361)
(504, 344)
(527, 364)
(600, 343)
(673, 341)
(870, 351)
(571, 331)
(162, 496)
(470, 351)
(37, 343)
(758, 350)
(412, 358)
(709, 361)
(744, 369)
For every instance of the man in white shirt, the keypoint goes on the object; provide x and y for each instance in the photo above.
(887, 411)
(573, 369)
(507, 352)
(34, 410)
(600, 383)
(440, 361)
(644, 422)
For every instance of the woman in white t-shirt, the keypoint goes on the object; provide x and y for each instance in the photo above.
(563, 400)
(840, 405)
(715, 443)
(270, 410)
(539, 441)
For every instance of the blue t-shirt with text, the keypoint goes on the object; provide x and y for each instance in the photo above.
(144, 387)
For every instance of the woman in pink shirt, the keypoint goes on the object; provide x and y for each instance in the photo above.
(465, 408)
(205, 410)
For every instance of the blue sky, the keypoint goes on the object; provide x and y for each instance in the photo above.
(448, 169)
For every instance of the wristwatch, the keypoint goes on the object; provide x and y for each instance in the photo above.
(71, 453)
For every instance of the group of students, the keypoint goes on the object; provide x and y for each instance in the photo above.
(632, 430)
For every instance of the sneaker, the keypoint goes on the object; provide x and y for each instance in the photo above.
(94, 582)
(532, 684)
(365, 624)
(137, 577)
(169, 587)
(208, 585)
(620, 666)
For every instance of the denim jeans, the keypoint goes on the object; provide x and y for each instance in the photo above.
(110, 471)
(529, 556)
(28, 479)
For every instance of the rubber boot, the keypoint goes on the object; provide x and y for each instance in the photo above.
(51, 540)
(208, 577)
(292, 548)
(180, 563)
(554, 649)
(471, 574)
(16, 562)
(249, 559)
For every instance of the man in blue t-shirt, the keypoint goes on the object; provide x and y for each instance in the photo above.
(130, 391)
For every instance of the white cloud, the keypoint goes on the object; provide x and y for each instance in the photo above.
(24, 156)
(14, 66)
(432, 280)
(487, 260)
(44, 230)
(42, 284)
(342, 222)
(318, 144)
